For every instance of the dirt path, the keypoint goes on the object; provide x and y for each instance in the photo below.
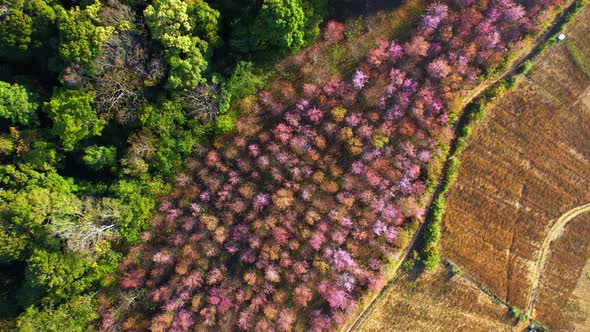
(528, 53)
(555, 231)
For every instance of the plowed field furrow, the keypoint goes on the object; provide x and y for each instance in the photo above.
(525, 166)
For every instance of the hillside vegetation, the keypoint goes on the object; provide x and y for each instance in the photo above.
(101, 103)
(285, 223)
(175, 165)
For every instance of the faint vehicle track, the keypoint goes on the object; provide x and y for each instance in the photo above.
(556, 230)
(528, 53)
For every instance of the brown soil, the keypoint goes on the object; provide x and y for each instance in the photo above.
(436, 301)
(526, 165)
(563, 303)
(580, 299)
(547, 251)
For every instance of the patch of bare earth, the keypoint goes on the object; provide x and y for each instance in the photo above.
(563, 302)
(557, 230)
(526, 165)
(436, 301)
(580, 300)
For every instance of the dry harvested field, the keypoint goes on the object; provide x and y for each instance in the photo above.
(437, 301)
(563, 302)
(527, 164)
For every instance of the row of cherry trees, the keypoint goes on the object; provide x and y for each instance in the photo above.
(285, 224)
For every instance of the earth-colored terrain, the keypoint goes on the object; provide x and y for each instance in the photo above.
(563, 298)
(526, 165)
(548, 251)
(517, 219)
(436, 301)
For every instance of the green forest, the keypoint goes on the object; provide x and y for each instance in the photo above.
(101, 102)
(224, 165)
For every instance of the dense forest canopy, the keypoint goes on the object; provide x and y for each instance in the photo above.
(102, 103)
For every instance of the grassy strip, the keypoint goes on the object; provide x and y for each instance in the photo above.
(578, 57)
(568, 17)
(474, 113)
(432, 234)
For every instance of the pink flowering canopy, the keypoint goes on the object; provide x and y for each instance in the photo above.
(284, 225)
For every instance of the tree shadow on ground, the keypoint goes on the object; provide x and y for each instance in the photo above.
(344, 9)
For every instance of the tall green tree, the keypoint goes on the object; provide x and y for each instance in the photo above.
(28, 28)
(73, 316)
(280, 25)
(29, 202)
(205, 21)
(16, 104)
(185, 32)
(176, 135)
(44, 223)
(81, 34)
(73, 116)
(263, 30)
(100, 157)
(63, 275)
(16, 29)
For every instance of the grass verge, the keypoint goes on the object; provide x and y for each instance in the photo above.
(475, 112)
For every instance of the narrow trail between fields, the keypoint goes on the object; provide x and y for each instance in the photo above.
(536, 274)
(528, 53)
(478, 285)
(556, 230)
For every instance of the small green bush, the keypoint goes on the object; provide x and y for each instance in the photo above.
(526, 67)
(477, 111)
(354, 28)
(462, 139)
(451, 175)
(516, 313)
(245, 80)
(432, 259)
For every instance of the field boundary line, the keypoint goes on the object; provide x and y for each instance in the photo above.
(526, 54)
(478, 285)
(555, 232)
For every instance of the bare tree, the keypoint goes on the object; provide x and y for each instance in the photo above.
(4, 12)
(119, 95)
(150, 67)
(75, 76)
(5, 8)
(145, 64)
(112, 55)
(155, 69)
(123, 69)
(122, 303)
(115, 13)
(141, 145)
(94, 222)
(130, 298)
(201, 102)
(83, 237)
(200, 149)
